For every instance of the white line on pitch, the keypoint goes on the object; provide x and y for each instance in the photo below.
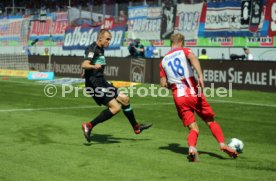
(155, 104)
(232, 102)
(76, 107)
(243, 103)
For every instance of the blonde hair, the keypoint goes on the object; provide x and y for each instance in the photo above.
(102, 32)
(176, 38)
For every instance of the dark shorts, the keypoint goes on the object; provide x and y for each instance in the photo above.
(101, 90)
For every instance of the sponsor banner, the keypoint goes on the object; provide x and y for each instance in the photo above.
(10, 29)
(168, 21)
(137, 70)
(233, 41)
(255, 41)
(144, 22)
(16, 73)
(224, 19)
(41, 29)
(71, 66)
(271, 17)
(78, 38)
(41, 76)
(204, 42)
(243, 75)
(257, 76)
(260, 75)
(191, 42)
(61, 66)
(188, 17)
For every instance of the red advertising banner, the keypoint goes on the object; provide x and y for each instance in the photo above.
(59, 28)
(40, 28)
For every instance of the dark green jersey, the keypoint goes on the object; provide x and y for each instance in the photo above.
(95, 55)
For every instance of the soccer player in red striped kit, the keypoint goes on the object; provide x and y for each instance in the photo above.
(177, 74)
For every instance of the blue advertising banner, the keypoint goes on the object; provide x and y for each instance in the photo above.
(78, 38)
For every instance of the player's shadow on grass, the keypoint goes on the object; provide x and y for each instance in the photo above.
(109, 139)
(175, 147)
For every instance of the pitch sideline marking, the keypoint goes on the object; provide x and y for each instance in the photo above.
(64, 108)
(95, 106)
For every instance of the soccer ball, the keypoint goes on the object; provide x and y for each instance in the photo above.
(236, 145)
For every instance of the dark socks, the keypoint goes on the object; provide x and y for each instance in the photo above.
(103, 116)
(130, 115)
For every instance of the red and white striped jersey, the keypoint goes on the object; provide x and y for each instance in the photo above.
(176, 67)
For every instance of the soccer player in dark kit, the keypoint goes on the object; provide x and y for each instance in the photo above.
(103, 92)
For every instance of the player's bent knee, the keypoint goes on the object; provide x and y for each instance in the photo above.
(114, 106)
(115, 109)
(193, 126)
(126, 100)
(123, 99)
(209, 120)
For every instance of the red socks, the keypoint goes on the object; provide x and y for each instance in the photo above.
(216, 131)
(192, 138)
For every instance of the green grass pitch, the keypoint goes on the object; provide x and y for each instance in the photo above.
(41, 139)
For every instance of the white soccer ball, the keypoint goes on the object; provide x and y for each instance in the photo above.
(236, 145)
